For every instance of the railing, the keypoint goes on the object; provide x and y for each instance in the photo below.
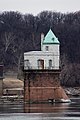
(39, 67)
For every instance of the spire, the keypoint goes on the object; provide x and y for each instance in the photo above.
(50, 38)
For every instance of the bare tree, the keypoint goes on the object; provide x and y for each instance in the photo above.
(7, 38)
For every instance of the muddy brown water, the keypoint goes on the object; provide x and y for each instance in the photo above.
(55, 111)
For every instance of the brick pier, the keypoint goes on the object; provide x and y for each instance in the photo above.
(42, 85)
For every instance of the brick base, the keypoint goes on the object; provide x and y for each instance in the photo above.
(43, 85)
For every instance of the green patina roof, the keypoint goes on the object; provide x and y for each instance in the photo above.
(50, 38)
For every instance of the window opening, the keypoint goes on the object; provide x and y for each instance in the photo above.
(47, 48)
(50, 63)
(41, 64)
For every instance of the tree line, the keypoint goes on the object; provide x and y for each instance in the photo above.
(21, 33)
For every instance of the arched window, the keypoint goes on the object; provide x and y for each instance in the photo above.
(40, 64)
(50, 63)
(26, 64)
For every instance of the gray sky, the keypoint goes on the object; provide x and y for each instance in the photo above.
(36, 6)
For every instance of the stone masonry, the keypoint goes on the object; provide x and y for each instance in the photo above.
(42, 85)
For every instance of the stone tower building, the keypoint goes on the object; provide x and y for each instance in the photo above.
(42, 70)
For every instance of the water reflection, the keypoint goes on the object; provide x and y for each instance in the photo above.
(11, 108)
(47, 110)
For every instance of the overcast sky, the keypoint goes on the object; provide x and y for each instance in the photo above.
(36, 6)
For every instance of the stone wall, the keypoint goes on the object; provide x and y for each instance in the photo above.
(42, 85)
(1, 86)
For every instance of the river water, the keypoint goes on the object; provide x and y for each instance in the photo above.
(55, 111)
